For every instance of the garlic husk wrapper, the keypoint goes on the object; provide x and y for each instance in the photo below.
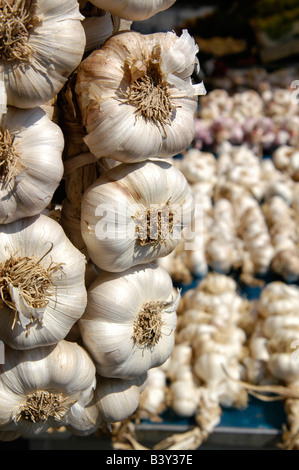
(36, 254)
(118, 399)
(136, 96)
(59, 376)
(134, 213)
(57, 42)
(130, 320)
(33, 168)
(97, 30)
(135, 10)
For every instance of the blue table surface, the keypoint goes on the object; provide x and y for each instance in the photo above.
(257, 415)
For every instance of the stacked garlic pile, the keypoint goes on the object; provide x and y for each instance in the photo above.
(84, 98)
(201, 376)
(241, 201)
(263, 119)
(273, 350)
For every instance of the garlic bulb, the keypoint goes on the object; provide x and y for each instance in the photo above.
(134, 213)
(283, 229)
(42, 283)
(42, 43)
(136, 96)
(152, 398)
(117, 399)
(135, 10)
(31, 166)
(129, 323)
(97, 30)
(39, 387)
(220, 247)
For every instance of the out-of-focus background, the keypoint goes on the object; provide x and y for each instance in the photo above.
(235, 34)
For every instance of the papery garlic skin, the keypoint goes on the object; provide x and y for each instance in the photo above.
(118, 399)
(136, 96)
(134, 214)
(45, 317)
(57, 43)
(38, 387)
(135, 10)
(97, 30)
(112, 325)
(37, 151)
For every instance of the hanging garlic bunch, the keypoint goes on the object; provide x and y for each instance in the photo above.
(136, 96)
(282, 223)
(42, 42)
(129, 323)
(135, 10)
(31, 165)
(44, 387)
(134, 213)
(42, 283)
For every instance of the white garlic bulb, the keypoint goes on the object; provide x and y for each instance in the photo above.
(129, 323)
(118, 399)
(152, 398)
(134, 213)
(136, 96)
(199, 166)
(97, 30)
(134, 10)
(42, 43)
(42, 283)
(31, 166)
(39, 387)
